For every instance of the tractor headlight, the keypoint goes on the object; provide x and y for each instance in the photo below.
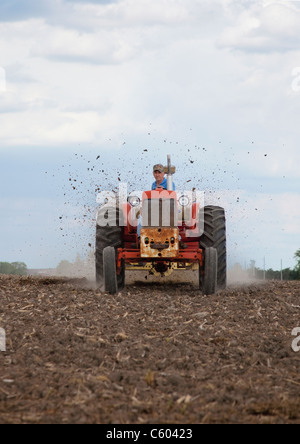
(134, 201)
(184, 200)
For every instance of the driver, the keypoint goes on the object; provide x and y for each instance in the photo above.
(160, 179)
(159, 184)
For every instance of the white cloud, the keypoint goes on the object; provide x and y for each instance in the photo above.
(133, 13)
(264, 27)
(138, 61)
(2, 79)
(102, 47)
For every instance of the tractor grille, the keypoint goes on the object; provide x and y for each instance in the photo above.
(160, 213)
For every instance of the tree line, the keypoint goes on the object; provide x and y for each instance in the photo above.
(15, 268)
(85, 268)
(288, 274)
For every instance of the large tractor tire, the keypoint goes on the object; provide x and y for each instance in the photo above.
(109, 270)
(110, 235)
(209, 282)
(214, 236)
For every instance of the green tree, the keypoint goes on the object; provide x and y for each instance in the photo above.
(297, 256)
(20, 268)
(17, 268)
(294, 275)
(297, 268)
(5, 268)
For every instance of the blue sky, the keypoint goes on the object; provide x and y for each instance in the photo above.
(214, 83)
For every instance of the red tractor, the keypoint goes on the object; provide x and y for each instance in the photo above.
(176, 233)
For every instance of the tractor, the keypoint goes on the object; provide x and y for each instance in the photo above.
(177, 232)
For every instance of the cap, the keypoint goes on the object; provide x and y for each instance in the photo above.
(159, 167)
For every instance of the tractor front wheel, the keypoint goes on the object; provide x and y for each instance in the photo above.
(109, 268)
(210, 278)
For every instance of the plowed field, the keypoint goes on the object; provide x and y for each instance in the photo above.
(155, 353)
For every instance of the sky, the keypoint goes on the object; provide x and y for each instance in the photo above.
(94, 93)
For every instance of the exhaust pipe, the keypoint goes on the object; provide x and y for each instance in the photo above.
(170, 174)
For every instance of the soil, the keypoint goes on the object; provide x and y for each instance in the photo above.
(159, 352)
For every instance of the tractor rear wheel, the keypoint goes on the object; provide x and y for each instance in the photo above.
(209, 282)
(214, 236)
(110, 235)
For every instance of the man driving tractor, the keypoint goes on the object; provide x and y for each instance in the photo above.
(178, 232)
(160, 178)
(160, 183)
